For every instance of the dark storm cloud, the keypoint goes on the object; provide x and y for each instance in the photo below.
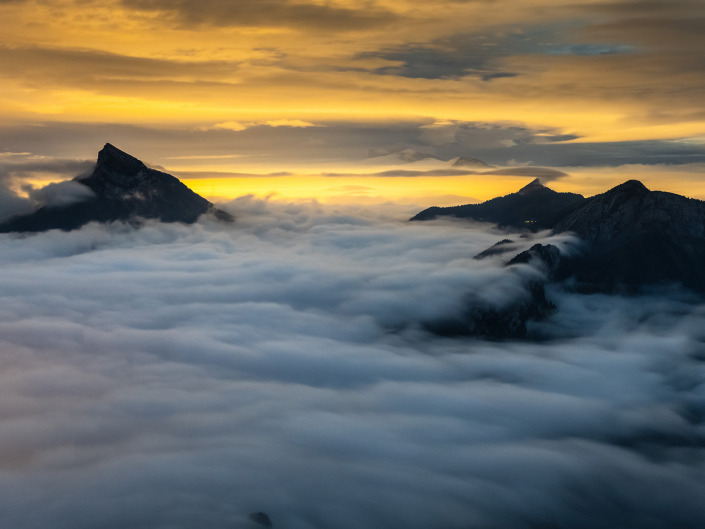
(266, 13)
(183, 377)
(478, 54)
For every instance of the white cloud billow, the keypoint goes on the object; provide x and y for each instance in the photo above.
(184, 377)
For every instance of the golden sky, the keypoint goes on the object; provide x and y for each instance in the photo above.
(272, 96)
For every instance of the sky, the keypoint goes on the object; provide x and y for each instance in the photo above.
(184, 376)
(272, 97)
(170, 376)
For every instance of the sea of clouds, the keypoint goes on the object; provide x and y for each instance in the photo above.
(183, 377)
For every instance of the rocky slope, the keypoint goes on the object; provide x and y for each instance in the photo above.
(124, 189)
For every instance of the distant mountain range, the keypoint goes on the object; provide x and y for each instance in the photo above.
(533, 207)
(631, 238)
(410, 156)
(466, 161)
(122, 188)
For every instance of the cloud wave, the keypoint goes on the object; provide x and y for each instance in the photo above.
(181, 377)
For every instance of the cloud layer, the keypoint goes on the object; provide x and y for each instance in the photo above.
(18, 197)
(285, 144)
(303, 15)
(185, 377)
(624, 70)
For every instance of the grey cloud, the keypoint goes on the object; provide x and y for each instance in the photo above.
(59, 194)
(17, 168)
(652, 152)
(480, 53)
(267, 13)
(25, 164)
(284, 147)
(337, 140)
(408, 172)
(640, 8)
(181, 377)
(661, 72)
(11, 204)
(223, 174)
(544, 173)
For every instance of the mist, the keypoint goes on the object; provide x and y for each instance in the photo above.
(181, 377)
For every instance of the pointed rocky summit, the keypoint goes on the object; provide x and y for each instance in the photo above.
(124, 189)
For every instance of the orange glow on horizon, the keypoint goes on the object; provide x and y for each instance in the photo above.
(445, 191)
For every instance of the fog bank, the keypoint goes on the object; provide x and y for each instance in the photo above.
(185, 376)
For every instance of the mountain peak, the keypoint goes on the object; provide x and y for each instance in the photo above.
(123, 189)
(630, 187)
(534, 185)
(533, 207)
(116, 161)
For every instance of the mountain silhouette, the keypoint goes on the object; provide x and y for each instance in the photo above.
(631, 237)
(534, 207)
(123, 189)
(635, 237)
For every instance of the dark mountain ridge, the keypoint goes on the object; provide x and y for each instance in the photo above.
(534, 207)
(631, 238)
(124, 189)
(636, 237)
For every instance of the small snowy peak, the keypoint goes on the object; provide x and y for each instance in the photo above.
(384, 156)
(467, 161)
